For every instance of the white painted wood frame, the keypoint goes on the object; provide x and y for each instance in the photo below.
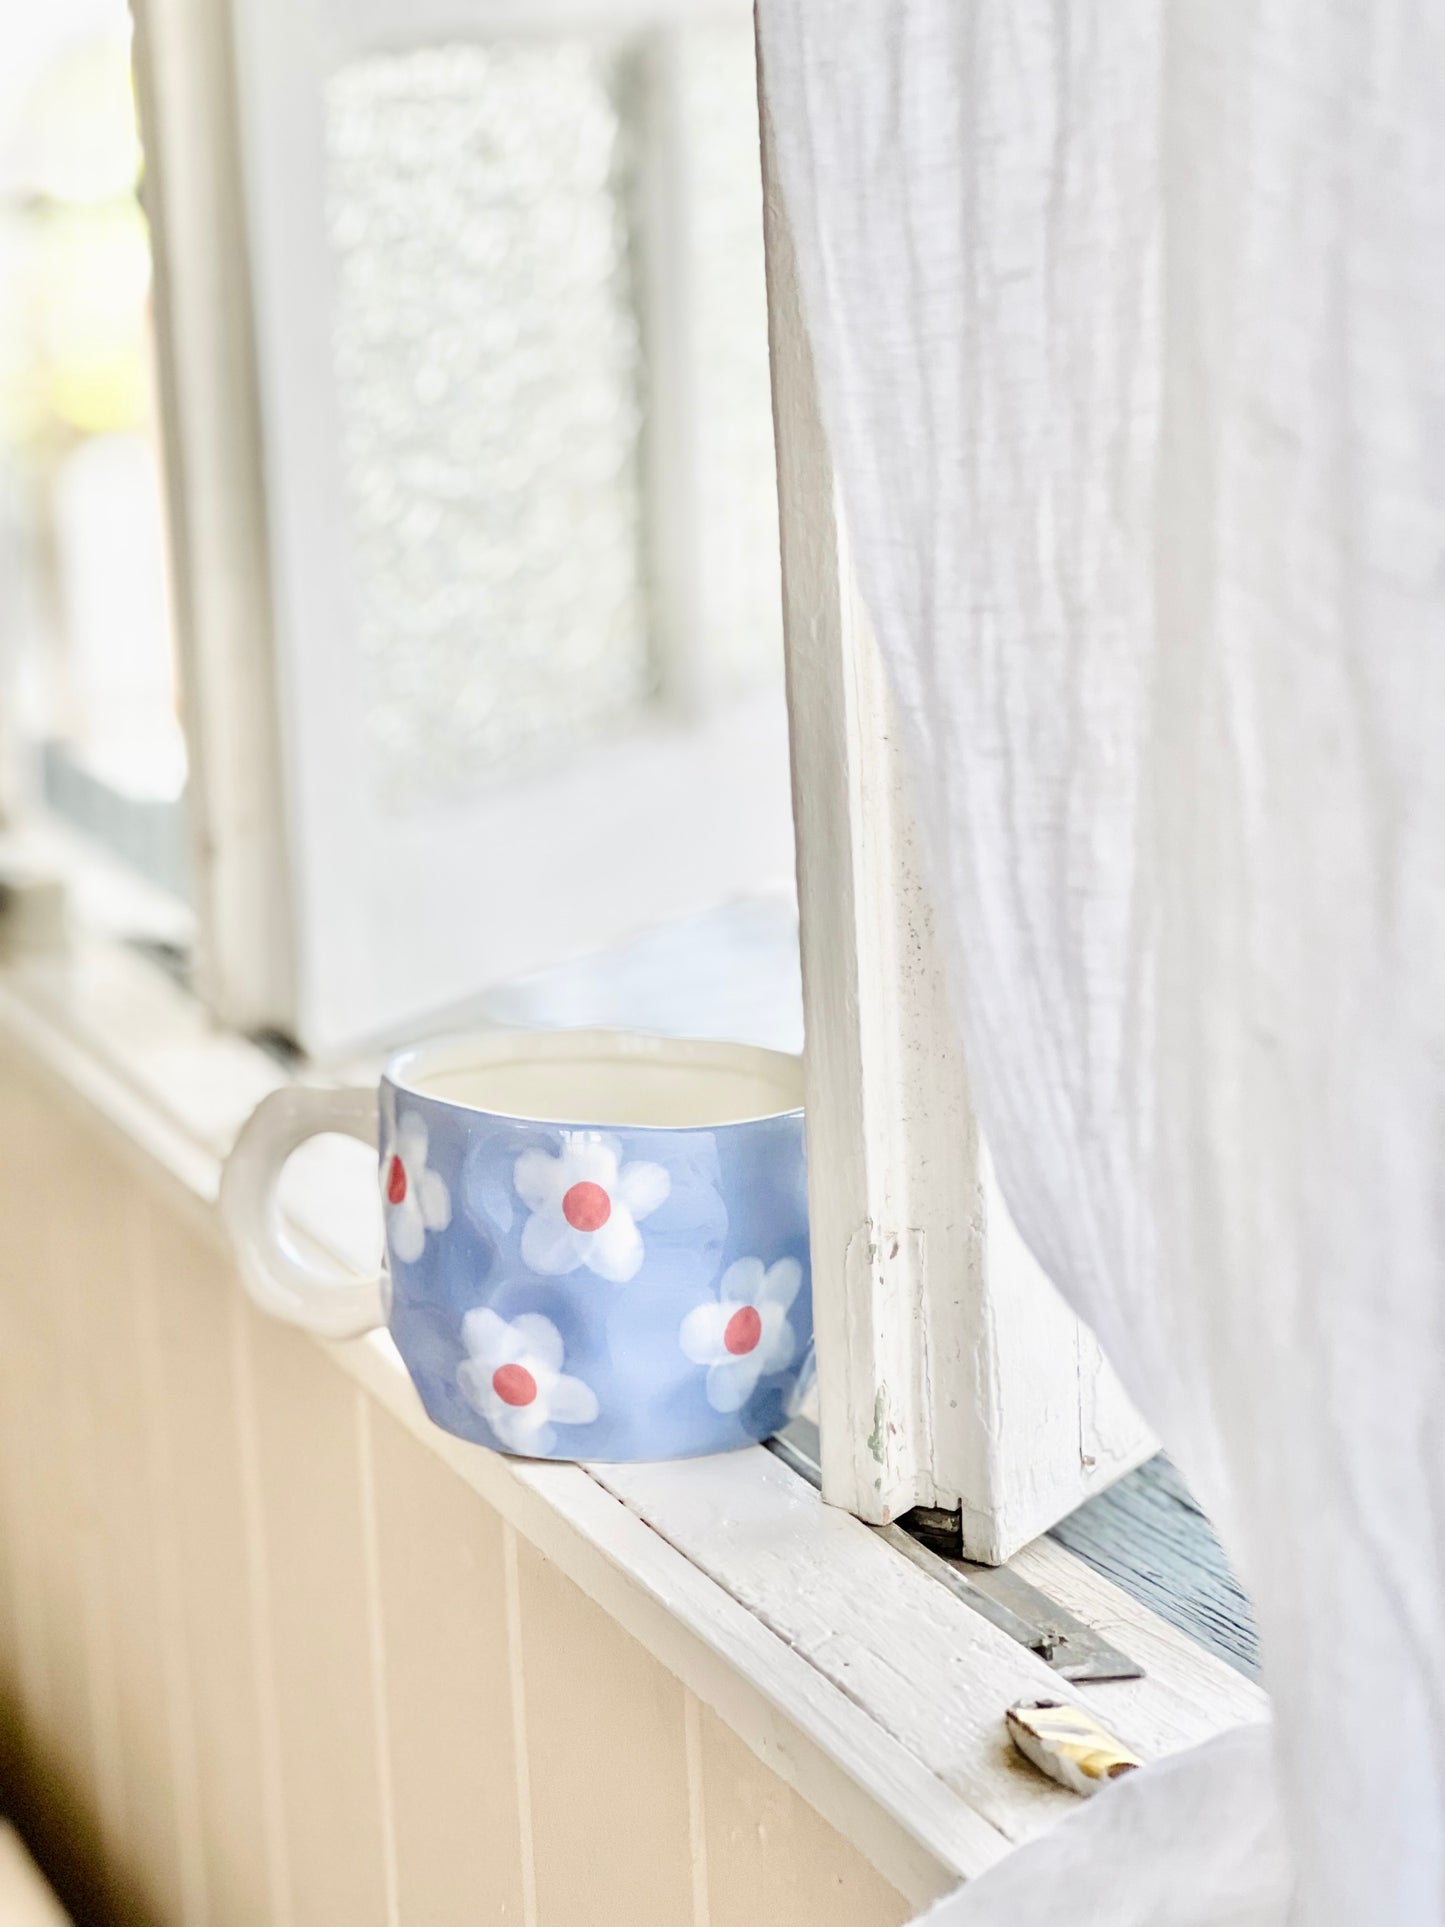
(332, 914)
(210, 415)
(950, 1373)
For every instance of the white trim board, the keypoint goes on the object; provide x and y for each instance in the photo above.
(872, 1691)
(933, 1288)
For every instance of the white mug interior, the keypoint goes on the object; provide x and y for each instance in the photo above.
(622, 1079)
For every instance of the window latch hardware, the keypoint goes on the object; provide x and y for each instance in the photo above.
(1074, 1650)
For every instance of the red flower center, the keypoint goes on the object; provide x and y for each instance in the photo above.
(514, 1385)
(743, 1330)
(586, 1206)
(395, 1181)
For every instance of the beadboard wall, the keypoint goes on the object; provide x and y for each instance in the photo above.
(266, 1661)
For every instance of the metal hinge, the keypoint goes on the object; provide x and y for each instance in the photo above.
(1074, 1650)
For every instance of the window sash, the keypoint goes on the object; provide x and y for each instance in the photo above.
(950, 1373)
(326, 914)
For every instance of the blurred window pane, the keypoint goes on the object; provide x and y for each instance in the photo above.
(489, 362)
(87, 681)
(485, 212)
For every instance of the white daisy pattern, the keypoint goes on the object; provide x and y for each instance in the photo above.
(415, 1198)
(745, 1333)
(512, 1375)
(585, 1205)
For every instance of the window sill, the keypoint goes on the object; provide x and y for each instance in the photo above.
(859, 1680)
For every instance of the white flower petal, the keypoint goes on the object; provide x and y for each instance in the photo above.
(526, 1420)
(550, 1245)
(405, 1232)
(730, 1386)
(434, 1200)
(499, 1418)
(590, 1157)
(701, 1334)
(411, 1140)
(572, 1402)
(539, 1179)
(522, 1428)
(614, 1252)
(642, 1187)
(533, 1343)
(490, 1340)
(743, 1282)
(777, 1343)
(782, 1284)
(475, 1381)
(539, 1343)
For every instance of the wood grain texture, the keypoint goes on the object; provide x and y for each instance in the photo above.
(769, 1537)
(782, 1550)
(1149, 1534)
(1186, 1690)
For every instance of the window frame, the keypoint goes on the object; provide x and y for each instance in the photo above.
(951, 1375)
(210, 417)
(300, 933)
(922, 1286)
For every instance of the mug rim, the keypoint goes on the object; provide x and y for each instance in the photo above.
(482, 1048)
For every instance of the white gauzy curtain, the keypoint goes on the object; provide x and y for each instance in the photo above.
(1130, 324)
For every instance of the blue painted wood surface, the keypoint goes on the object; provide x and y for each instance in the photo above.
(1148, 1535)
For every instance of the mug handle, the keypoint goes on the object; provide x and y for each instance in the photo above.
(277, 1273)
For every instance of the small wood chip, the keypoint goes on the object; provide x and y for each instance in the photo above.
(1068, 1744)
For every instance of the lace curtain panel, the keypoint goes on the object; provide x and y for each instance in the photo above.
(1130, 326)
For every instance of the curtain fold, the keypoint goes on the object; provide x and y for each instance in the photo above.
(1130, 328)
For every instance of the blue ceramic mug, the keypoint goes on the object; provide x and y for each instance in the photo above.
(597, 1242)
